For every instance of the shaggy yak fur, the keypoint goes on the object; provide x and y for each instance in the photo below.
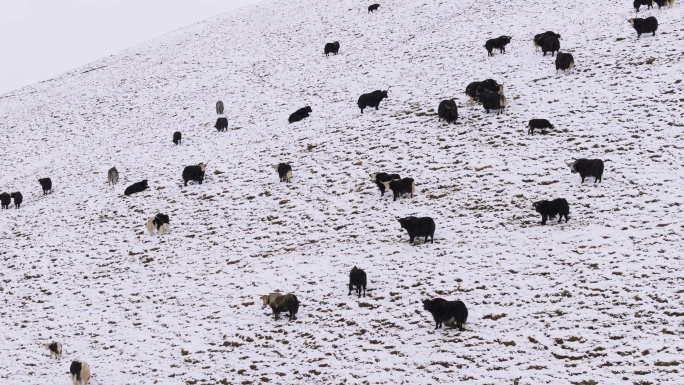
(447, 311)
(551, 44)
(357, 277)
(588, 167)
(538, 40)
(160, 222)
(221, 124)
(549, 209)
(80, 372)
(18, 198)
(219, 107)
(46, 184)
(448, 111)
(280, 303)
(475, 90)
(193, 173)
(136, 188)
(284, 172)
(540, 124)
(493, 101)
(565, 62)
(382, 180)
(55, 349)
(419, 227)
(372, 99)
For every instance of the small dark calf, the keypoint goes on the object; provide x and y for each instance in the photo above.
(300, 114)
(46, 183)
(194, 173)
(639, 3)
(649, 24)
(497, 43)
(419, 227)
(382, 180)
(357, 277)
(372, 99)
(549, 209)
(565, 62)
(402, 186)
(136, 188)
(448, 111)
(373, 7)
(18, 198)
(588, 167)
(540, 124)
(284, 171)
(331, 48)
(447, 311)
(177, 137)
(221, 124)
(5, 200)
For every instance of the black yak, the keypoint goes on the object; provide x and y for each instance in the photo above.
(549, 209)
(382, 180)
(280, 303)
(448, 111)
(540, 124)
(419, 227)
(136, 188)
(493, 101)
(331, 48)
(447, 311)
(497, 43)
(221, 124)
(194, 173)
(402, 186)
(46, 184)
(357, 277)
(550, 44)
(219, 107)
(284, 171)
(373, 7)
(639, 3)
(475, 90)
(538, 40)
(372, 99)
(565, 62)
(300, 114)
(588, 167)
(18, 198)
(80, 372)
(112, 176)
(5, 200)
(177, 136)
(649, 24)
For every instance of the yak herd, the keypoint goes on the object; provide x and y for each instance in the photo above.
(488, 92)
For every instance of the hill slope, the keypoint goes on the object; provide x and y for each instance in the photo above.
(594, 300)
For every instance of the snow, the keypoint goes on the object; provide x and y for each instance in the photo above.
(596, 300)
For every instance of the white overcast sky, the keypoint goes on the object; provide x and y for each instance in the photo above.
(40, 39)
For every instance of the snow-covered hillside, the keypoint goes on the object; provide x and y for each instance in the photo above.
(595, 301)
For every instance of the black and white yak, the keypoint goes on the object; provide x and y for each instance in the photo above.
(284, 172)
(55, 349)
(160, 222)
(80, 372)
(588, 167)
(382, 180)
(540, 124)
(194, 173)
